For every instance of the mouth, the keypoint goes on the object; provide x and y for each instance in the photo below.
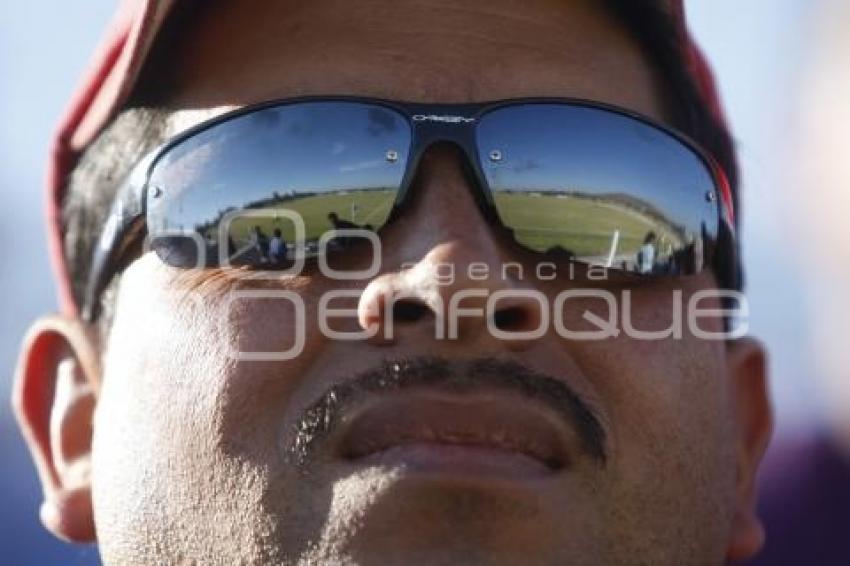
(482, 433)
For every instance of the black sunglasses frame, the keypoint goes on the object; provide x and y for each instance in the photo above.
(430, 124)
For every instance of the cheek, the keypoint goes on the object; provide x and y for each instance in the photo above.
(672, 426)
(667, 402)
(663, 380)
(184, 431)
(155, 430)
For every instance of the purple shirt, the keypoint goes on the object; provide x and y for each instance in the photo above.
(805, 503)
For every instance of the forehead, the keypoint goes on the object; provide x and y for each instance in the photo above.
(237, 53)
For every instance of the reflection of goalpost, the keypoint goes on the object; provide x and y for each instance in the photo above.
(615, 241)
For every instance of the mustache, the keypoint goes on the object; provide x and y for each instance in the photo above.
(322, 417)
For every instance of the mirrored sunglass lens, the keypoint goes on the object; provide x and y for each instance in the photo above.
(599, 187)
(261, 187)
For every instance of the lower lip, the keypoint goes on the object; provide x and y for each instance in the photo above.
(457, 460)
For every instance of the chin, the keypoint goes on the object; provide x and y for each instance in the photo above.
(386, 515)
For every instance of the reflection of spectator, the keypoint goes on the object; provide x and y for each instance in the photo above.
(646, 254)
(277, 247)
(686, 260)
(260, 243)
(340, 224)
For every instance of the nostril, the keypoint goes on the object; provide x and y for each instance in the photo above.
(408, 310)
(511, 319)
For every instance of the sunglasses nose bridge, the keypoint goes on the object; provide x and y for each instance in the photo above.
(454, 144)
(439, 163)
(460, 136)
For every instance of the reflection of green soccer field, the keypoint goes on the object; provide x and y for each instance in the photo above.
(372, 207)
(582, 226)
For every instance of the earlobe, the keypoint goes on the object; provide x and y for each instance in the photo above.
(747, 370)
(54, 398)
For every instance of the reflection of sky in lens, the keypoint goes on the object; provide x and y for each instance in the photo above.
(549, 148)
(311, 147)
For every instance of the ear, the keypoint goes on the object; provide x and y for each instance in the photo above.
(54, 397)
(747, 370)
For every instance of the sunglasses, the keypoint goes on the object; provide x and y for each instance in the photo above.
(272, 185)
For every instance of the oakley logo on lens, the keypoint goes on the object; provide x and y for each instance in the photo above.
(442, 118)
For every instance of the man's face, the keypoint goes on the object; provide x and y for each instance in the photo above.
(193, 456)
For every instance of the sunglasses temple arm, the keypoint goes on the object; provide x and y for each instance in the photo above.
(127, 210)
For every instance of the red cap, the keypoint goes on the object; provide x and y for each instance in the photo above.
(112, 75)
(104, 87)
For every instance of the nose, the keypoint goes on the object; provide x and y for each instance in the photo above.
(447, 270)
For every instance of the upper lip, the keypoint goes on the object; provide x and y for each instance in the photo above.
(487, 418)
(464, 407)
